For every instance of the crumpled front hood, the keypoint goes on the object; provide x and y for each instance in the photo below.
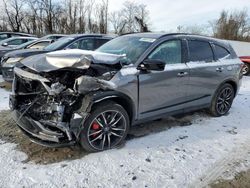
(76, 58)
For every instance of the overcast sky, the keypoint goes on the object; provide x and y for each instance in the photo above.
(166, 15)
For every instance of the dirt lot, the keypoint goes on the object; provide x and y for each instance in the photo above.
(241, 180)
(9, 132)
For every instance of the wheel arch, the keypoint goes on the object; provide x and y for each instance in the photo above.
(125, 101)
(232, 82)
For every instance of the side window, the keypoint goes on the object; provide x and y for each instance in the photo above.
(39, 45)
(15, 42)
(15, 35)
(84, 44)
(168, 52)
(200, 51)
(100, 42)
(3, 36)
(221, 52)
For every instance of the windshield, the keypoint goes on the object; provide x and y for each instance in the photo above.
(58, 44)
(130, 46)
(24, 45)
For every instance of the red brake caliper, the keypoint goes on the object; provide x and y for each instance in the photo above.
(95, 126)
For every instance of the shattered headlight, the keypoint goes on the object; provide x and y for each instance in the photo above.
(12, 61)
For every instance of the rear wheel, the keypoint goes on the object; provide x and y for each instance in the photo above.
(246, 69)
(106, 127)
(222, 100)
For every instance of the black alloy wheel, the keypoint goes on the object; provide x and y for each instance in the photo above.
(106, 127)
(222, 101)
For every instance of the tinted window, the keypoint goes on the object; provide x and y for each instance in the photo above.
(16, 35)
(168, 52)
(17, 42)
(3, 36)
(84, 44)
(200, 51)
(24, 45)
(100, 42)
(59, 44)
(221, 53)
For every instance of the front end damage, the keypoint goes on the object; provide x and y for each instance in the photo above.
(51, 106)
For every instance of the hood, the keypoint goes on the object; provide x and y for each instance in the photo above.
(78, 59)
(4, 51)
(4, 48)
(25, 53)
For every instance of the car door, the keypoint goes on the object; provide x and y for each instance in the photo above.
(206, 72)
(164, 91)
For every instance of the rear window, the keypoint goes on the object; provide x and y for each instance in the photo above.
(221, 52)
(200, 51)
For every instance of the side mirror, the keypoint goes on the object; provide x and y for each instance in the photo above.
(5, 44)
(152, 64)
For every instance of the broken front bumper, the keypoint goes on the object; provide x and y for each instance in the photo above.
(38, 133)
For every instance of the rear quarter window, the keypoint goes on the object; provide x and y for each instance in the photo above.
(221, 52)
(200, 51)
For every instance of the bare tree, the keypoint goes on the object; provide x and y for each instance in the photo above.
(133, 17)
(42, 17)
(82, 16)
(232, 25)
(141, 17)
(193, 29)
(102, 16)
(117, 22)
(13, 9)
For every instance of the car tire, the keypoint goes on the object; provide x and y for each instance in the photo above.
(222, 100)
(246, 69)
(105, 128)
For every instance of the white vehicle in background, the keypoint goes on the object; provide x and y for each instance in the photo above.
(242, 49)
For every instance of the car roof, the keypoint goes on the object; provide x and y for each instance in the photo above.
(12, 38)
(91, 35)
(49, 35)
(55, 35)
(18, 33)
(161, 35)
(43, 40)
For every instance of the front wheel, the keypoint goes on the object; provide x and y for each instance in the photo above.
(222, 100)
(105, 128)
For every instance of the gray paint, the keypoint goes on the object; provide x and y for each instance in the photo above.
(155, 94)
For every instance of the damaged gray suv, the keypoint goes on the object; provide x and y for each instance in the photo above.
(93, 97)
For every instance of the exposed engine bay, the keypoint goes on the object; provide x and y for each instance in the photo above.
(50, 105)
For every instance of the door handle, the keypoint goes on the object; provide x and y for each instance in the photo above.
(219, 69)
(181, 74)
